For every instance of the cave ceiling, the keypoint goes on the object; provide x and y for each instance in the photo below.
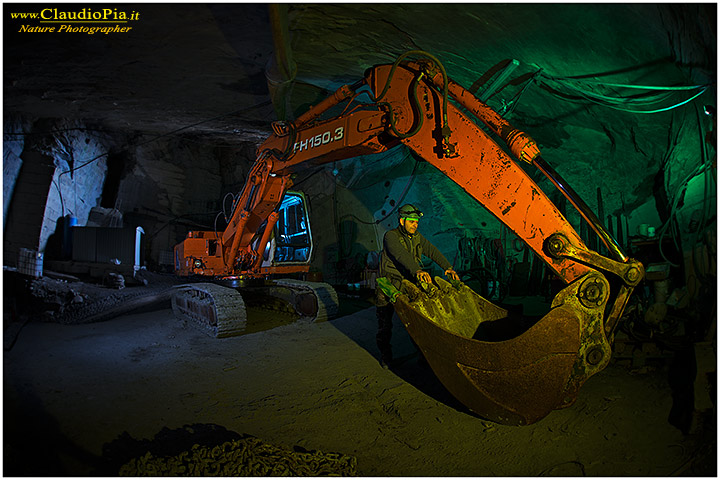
(203, 69)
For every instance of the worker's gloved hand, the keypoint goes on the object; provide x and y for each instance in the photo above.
(423, 277)
(452, 274)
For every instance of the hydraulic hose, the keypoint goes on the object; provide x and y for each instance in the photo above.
(436, 61)
(416, 104)
(581, 207)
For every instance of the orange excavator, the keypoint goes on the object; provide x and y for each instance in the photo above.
(516, 380)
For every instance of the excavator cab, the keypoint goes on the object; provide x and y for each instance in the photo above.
(292, 239)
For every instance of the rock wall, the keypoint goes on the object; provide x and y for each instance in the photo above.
(58, 168)
(178, 184)
(54, 168)
(13, 145)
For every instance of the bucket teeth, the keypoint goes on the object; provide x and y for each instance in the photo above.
(443, 284)
(409, 289)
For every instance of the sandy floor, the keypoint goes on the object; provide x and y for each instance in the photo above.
(70, 390)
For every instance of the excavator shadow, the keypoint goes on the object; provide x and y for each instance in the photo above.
(360, 326)
(414, 369)
(410, 363)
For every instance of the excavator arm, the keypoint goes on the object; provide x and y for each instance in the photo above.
(450, 140)
(514, 381)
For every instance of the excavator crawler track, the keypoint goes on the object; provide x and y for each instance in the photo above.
(219, 311)
(222, 312)
(316, 300)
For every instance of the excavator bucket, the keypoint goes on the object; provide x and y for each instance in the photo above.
(516, 377)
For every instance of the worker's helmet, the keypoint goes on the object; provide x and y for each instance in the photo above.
(410, 211)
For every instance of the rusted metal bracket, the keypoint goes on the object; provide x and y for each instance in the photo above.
(631, 272)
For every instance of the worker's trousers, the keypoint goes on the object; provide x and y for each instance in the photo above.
(384, 315)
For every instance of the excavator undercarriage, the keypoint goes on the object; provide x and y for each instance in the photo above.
(240, 300)
(222, 311)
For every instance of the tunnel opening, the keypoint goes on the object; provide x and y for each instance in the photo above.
(111, 186)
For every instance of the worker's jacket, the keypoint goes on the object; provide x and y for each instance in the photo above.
(402, 253)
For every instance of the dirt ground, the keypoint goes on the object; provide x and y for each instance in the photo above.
(72, 391)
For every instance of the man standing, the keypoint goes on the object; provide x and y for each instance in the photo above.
(403, 248)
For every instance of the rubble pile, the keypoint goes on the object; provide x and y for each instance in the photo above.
(212, 450)
(245, 457)
(74, 302)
